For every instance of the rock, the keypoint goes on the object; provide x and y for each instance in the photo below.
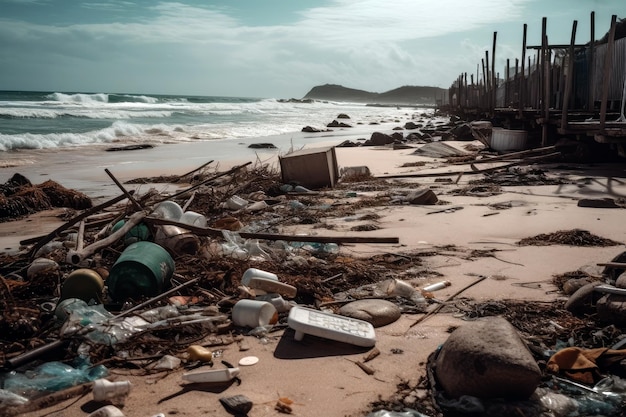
(462, 132)
(620, 282)
(582, 298)
(487, 359)
(262, 146)
(342, 116)
(239, 405)
(347, 144)
(598, 203)
(411, 126)
(572, 285)
(379, 139)
(422, 197)
(611, 308)
(398, 128)
(310, 129)
(397, 136)
(375, 311)
(335, 123)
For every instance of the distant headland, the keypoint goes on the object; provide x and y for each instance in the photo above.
(406, 95)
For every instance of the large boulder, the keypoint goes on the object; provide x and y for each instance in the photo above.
(487, 359)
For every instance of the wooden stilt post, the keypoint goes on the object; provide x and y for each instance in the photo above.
(494, 84)
(522, 81)
(569, 76)
(544, 81)
(606, 78)
(591, 64)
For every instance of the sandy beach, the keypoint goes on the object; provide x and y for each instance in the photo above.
(320, 376)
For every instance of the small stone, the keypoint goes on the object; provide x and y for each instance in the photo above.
(572, 285)
(238, 404)
(422, 197)
(375, 311)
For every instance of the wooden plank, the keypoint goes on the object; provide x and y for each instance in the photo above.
(208, 231)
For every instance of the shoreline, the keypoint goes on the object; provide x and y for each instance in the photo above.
(82, 168)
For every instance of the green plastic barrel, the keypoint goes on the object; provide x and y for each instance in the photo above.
(143, 269)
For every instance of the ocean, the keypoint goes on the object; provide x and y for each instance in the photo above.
(58, 120)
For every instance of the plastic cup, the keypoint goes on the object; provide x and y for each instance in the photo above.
(193, 219)
(253, 313)
(104, 390)
(400, 288)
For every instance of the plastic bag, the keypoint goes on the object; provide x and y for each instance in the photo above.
(51, 377)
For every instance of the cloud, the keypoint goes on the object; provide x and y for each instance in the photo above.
(369, 44)
(347, 22)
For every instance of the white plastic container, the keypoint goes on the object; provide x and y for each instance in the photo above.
(253, 313)
(331, 326)
(168, 210)
(105, 390)
(236, 203)
(277, 301)
(508, 139)
(193, 219)
(211, 375)
(253, 272)
(107, 411)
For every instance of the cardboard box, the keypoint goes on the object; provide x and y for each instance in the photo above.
(311, 168)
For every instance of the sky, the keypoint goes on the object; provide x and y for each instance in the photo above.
(272, 48)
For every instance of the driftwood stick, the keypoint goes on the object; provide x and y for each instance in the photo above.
(188, 202)
(42, 241)
(477, 171)
(510, 155)
(196, 170)
(52, 399)
(121, 187)
(178, 194)
(75, 257)
(613, 264)
(156, 298)
(208, 231)
(80, 239)
(440, 306)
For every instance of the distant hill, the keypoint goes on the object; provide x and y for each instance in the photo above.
(402, 95)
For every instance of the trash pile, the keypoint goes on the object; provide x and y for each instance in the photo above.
(148, 282)
(158, 282)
